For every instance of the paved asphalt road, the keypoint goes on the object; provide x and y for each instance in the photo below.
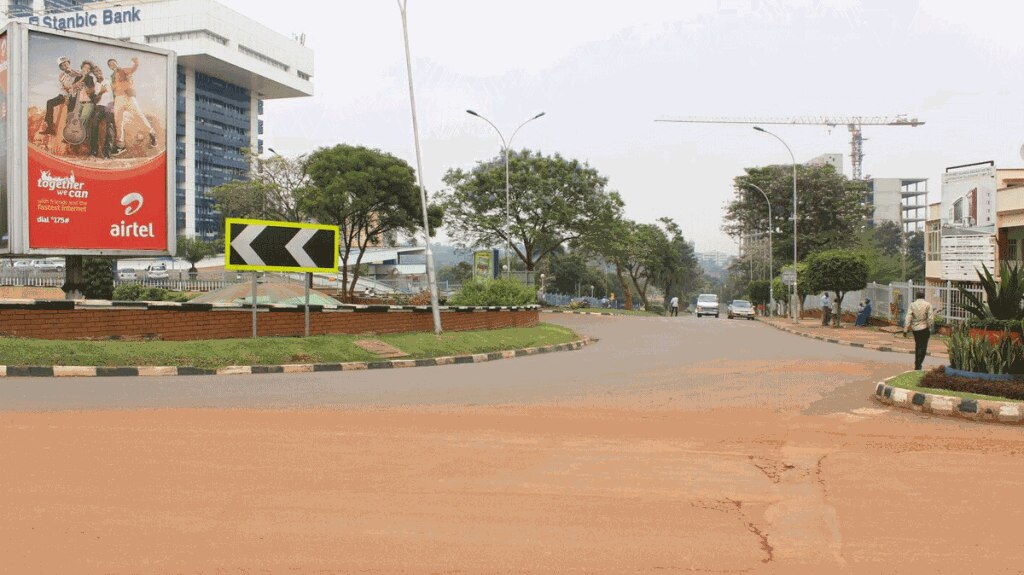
(671, 445)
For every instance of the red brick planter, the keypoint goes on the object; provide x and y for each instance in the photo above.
(138, 320)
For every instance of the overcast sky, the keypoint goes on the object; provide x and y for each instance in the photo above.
(604, 70)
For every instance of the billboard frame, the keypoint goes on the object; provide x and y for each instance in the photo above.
(17, 155)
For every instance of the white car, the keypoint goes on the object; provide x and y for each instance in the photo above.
(47, 266)
(741, 308)
(707, 304)
(157, 272)
(23, 266)
(127, 274)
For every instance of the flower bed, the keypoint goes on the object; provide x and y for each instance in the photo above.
(939, 379)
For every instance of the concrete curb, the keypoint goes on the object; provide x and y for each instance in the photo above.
(604, 313)
(155, 371)
(973, 409)
(848, 343)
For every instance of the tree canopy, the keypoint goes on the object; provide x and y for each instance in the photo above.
(368, 194)
(831, 209)
(839, 271)
(553, 200)
(271, 191)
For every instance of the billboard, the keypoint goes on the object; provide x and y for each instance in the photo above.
(92, 162)
(485, 264)
(969, 196)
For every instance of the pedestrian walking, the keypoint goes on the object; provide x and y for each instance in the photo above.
(673, 306)
(826, 309)
(920, 319)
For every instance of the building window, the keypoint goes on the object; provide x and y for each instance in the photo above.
(265, 59)
(188, 35)
(1012, 251)
(303, 75)
(933, 242)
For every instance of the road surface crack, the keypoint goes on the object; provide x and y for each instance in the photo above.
(765, 546)
(773, 470)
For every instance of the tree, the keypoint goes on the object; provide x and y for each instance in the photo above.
(368, 194)
(553, 201)
(457, 274)
(676, 270)
(193, 250)
(271, 191)
(572, 270)
(760, 292)
(839, 271)
(831, 209)
(98, 278)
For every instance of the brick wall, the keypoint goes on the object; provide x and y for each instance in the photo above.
(186, 324)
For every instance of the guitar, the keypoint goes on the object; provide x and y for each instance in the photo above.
(74, 128)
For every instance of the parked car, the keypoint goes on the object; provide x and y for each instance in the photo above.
(127, 274)
(47, 266)
(741, 308)
(707, 304)
(157, 272)
(23, 265)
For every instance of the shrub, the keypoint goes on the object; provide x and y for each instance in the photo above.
(1003, 297)
(980, 355)
(138, 292)
(99, 278)
(504, 292)
(578, 303)
(937, 379)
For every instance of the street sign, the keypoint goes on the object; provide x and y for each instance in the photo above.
(789, 277)
(257, 245)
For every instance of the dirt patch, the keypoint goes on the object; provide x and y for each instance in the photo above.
(380, 348)
(27, 292)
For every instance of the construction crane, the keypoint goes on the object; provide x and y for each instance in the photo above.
(853, 123)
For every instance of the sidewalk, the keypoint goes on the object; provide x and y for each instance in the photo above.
(867, 337)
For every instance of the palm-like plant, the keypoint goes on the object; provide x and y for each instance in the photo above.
(1004, 296)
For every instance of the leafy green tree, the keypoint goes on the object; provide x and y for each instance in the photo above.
(569, 270)
(839, 271)
(271, 191)
(760, 292)
(99, 278)
(831, 209)
(457, 274)
(193, 250)
(368, 194)
(553, 200)
(678, 272)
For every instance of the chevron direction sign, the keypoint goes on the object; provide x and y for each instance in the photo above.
(257, 245)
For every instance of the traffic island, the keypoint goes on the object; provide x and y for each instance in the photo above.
(900, 391)
(278, 355)
(864, 337)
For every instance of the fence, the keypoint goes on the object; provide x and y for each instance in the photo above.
(891, 301)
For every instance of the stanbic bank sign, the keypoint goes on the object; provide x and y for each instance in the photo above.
(86, 19)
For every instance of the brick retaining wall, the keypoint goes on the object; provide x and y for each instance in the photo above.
(123, 320)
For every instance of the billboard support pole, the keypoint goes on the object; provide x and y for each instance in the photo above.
(74, 277)
(309, 280)
(253, 302)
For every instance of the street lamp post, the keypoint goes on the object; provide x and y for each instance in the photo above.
(771, 223)
(508, 202)
(796, 318)
(431, 278)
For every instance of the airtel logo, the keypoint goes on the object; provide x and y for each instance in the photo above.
(133, 201)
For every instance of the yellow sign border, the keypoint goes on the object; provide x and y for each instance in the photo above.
(245, 268)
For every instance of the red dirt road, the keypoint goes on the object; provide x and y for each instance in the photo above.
(655, 478)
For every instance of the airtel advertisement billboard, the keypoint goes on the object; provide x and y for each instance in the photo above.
(92, 173)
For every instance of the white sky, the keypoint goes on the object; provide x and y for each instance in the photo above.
(603, 70)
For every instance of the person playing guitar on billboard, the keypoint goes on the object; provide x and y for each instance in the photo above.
(67, 79)
(82, 93)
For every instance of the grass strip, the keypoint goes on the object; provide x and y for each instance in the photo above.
(910, 380)
(212, 354)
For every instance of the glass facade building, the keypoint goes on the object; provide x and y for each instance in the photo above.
(224, 75)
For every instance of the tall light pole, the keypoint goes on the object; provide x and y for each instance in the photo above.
(508, 201)
(796, 318)
(771, 224)
(431, 278)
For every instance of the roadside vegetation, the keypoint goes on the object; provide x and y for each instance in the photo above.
(210, 354)
(912, 381)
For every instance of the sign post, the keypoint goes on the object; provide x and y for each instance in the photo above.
(788, 277)
(259, 245)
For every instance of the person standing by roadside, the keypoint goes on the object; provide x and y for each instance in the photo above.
(673, 306)
(920, 319)
(826, 309)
